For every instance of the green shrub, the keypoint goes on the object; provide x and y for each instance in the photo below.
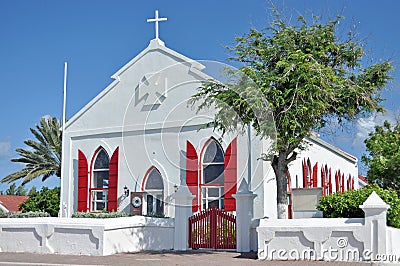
(346, 205)
(46, 200)
(155, 215)
(100, 215)
(25, 214)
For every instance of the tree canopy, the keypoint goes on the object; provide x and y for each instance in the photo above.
(14, 190)
(383, 156)
(307, 75)
(46, 200)
(43, 155)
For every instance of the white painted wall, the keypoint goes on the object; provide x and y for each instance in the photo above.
(84, 236)
(117, 117)
(393, 238)
(334, 239)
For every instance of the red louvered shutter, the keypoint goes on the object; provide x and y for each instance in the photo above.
(309, 173)
(342, 183)
(113, 182)
(323, 181)
(330, 181)
(315, 175)
(304, 174)
(289, 185)
(337, 181)
(83, 188)
(192, 174)
(230, 176)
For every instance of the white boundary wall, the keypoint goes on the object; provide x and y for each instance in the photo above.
(331, 239)
(85, 236)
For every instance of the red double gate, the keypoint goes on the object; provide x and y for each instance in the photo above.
(212, 228)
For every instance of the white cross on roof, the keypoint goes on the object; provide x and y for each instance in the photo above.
(156, 20)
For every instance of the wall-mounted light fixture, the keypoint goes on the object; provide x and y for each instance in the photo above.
(176, 187)
(126, 191)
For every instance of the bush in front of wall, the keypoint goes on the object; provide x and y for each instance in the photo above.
(347, 204)
(100, 215)
(33, 214)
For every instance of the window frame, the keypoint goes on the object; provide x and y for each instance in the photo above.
(94, 201)
(203, 187)
(156, 194)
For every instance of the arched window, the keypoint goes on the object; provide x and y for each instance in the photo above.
(100, 179)
(212, 190)
(155, 191)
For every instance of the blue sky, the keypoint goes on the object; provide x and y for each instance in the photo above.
(97, 38)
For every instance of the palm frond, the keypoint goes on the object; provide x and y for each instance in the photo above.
(42, 157)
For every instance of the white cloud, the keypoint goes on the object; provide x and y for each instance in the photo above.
(5, 147)
(366, 125)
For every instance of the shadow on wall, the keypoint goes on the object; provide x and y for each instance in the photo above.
(157, 234)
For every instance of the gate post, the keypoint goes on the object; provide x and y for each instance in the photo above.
(183, 210)
(375, 210)
(244, 214)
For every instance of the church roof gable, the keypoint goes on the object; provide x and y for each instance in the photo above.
(156, 45)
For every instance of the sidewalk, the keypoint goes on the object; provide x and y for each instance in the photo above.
(196, 257)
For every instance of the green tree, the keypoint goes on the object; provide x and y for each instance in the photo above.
(14, 190)
(32, 191)
(21, 191)
(43, 155)
(383, 156)
(46, 200)
(309, 77)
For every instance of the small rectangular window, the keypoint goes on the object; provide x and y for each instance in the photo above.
(99, 200)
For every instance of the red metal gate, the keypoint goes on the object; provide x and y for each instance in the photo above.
(212, 228)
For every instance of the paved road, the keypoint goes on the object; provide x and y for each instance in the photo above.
(198, 257)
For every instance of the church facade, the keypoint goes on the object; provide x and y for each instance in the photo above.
(135, 143)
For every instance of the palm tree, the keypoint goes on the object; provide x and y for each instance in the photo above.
(43, 156)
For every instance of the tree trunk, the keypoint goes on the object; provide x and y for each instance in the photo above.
(280, 166)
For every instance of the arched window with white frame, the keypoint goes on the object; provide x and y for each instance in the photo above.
(212, 171)
(100, 178)
(154, 188)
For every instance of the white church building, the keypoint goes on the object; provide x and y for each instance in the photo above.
(132, 146)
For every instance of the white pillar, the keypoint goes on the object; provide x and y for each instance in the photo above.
(375, 224)
(183, 210)
(244, 214)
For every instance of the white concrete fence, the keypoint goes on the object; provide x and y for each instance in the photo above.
(334, 239)
(85, 236)
(311, 239)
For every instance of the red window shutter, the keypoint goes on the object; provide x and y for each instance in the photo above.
(230, 176)
(330, 181)
(309, 173)
(337, 181)
(192, 174)
(323, 181)
(342, 184)
(289, 186)
(83, 188)
(113, 182)
(315, 175)
(304, 173)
